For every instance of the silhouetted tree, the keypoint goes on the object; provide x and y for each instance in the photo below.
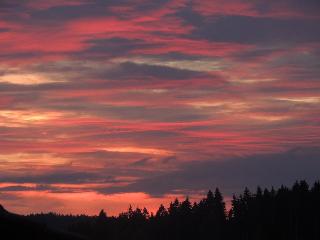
(283, 213)
(162, 212)
(102, 215)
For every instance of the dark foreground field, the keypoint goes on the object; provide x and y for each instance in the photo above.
(286, 213)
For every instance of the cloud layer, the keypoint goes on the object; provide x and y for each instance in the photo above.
(155, 99)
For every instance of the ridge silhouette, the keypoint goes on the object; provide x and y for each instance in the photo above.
(3, 210)
(14, 226)
(266, 214)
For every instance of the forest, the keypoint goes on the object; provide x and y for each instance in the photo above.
(284, 213)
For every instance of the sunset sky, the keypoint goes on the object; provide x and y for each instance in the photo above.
(107, 103)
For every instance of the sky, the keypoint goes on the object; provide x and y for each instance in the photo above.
(109, 103)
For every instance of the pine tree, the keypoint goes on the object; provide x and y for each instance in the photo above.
(162, 212)
(102, 215)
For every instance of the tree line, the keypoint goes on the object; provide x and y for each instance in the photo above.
(265, 214)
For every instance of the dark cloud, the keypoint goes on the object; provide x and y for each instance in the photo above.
(65, 12)
(21, 55)
(58, 177)
(135, 136)
(256, 54)
(156, 114)
(258, 30)
(120, 71)
(232, 175)
(38, 187)
(169, 159)
(255, 29)
(129, 70)
(4, 30)
(141, 162)
(15, 188)
(112, 47)
(309, 8)
(9, 4)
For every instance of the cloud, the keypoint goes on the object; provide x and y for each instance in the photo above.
(252, 30)
(57, 177)
(159, 96)
(282, 9)
(232, 175)
(113, 47)
(141, 162)
(129, 70)
(22, 188)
